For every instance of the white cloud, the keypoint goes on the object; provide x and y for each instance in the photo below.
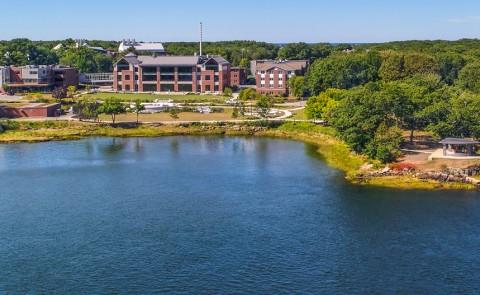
(465, 20)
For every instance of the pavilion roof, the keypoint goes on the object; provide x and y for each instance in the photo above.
(459, 141)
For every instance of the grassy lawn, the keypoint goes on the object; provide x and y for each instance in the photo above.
(127, 97)
(158, 117)
(299, 115)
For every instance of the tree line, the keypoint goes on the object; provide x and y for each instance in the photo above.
(374, 94)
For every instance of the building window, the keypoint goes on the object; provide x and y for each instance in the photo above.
(207, 87)
(207, 77)
(127, 77)
(167, 87)
(149, 87)
(185, 87)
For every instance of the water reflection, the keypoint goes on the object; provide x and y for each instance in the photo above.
(114, 147)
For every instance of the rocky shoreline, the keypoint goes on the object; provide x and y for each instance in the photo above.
(447, 175)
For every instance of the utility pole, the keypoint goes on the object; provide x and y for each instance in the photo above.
(201, 38)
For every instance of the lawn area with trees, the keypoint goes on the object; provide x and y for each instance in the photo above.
(147, 97)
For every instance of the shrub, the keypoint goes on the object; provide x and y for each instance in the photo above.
(403, 166)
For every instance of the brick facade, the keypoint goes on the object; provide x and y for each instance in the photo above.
(26, 79)
(171, 74)
(272, 77)
(238, 76)
(30, 110)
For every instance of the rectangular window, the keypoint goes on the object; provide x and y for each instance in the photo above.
(185, 70)
(207, 87)
(167, 87)
(167, 70)
(149, 70)
(185, 78)
(207, 77)
(167, 77)
(149, 87)
(149, 77)
(127, 77)
(185, 87)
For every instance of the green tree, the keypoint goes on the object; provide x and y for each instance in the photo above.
(319, 107)
(362, 110)
(59, 93)
(71, 90)
(342, 71)
(420, 63)
(228, 92)
(248, 94)
(392, 67)
(297, 86)
(86, 60)
(244, 63)
(264, 105)
(469, 77)
(450, 65)
(87, 109)
(138, 107)
(113, 108)
(22, 52)
(385, 145)
(464, 117)
(174, 113)
(295, 51)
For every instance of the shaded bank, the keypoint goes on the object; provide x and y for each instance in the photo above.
(332, 150)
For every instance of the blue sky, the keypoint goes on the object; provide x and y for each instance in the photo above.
(271, 21)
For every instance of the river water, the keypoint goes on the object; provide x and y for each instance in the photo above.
(214, 215)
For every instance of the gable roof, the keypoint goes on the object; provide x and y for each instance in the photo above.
(289, 65)
(217, 59)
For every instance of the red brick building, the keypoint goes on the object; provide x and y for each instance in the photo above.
(238, 76)
(40, 78)
(272, 76)
(29, 110)
(201, 74)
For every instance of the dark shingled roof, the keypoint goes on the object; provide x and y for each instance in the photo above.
(459, 141)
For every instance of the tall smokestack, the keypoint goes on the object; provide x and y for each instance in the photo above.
(201, 38)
